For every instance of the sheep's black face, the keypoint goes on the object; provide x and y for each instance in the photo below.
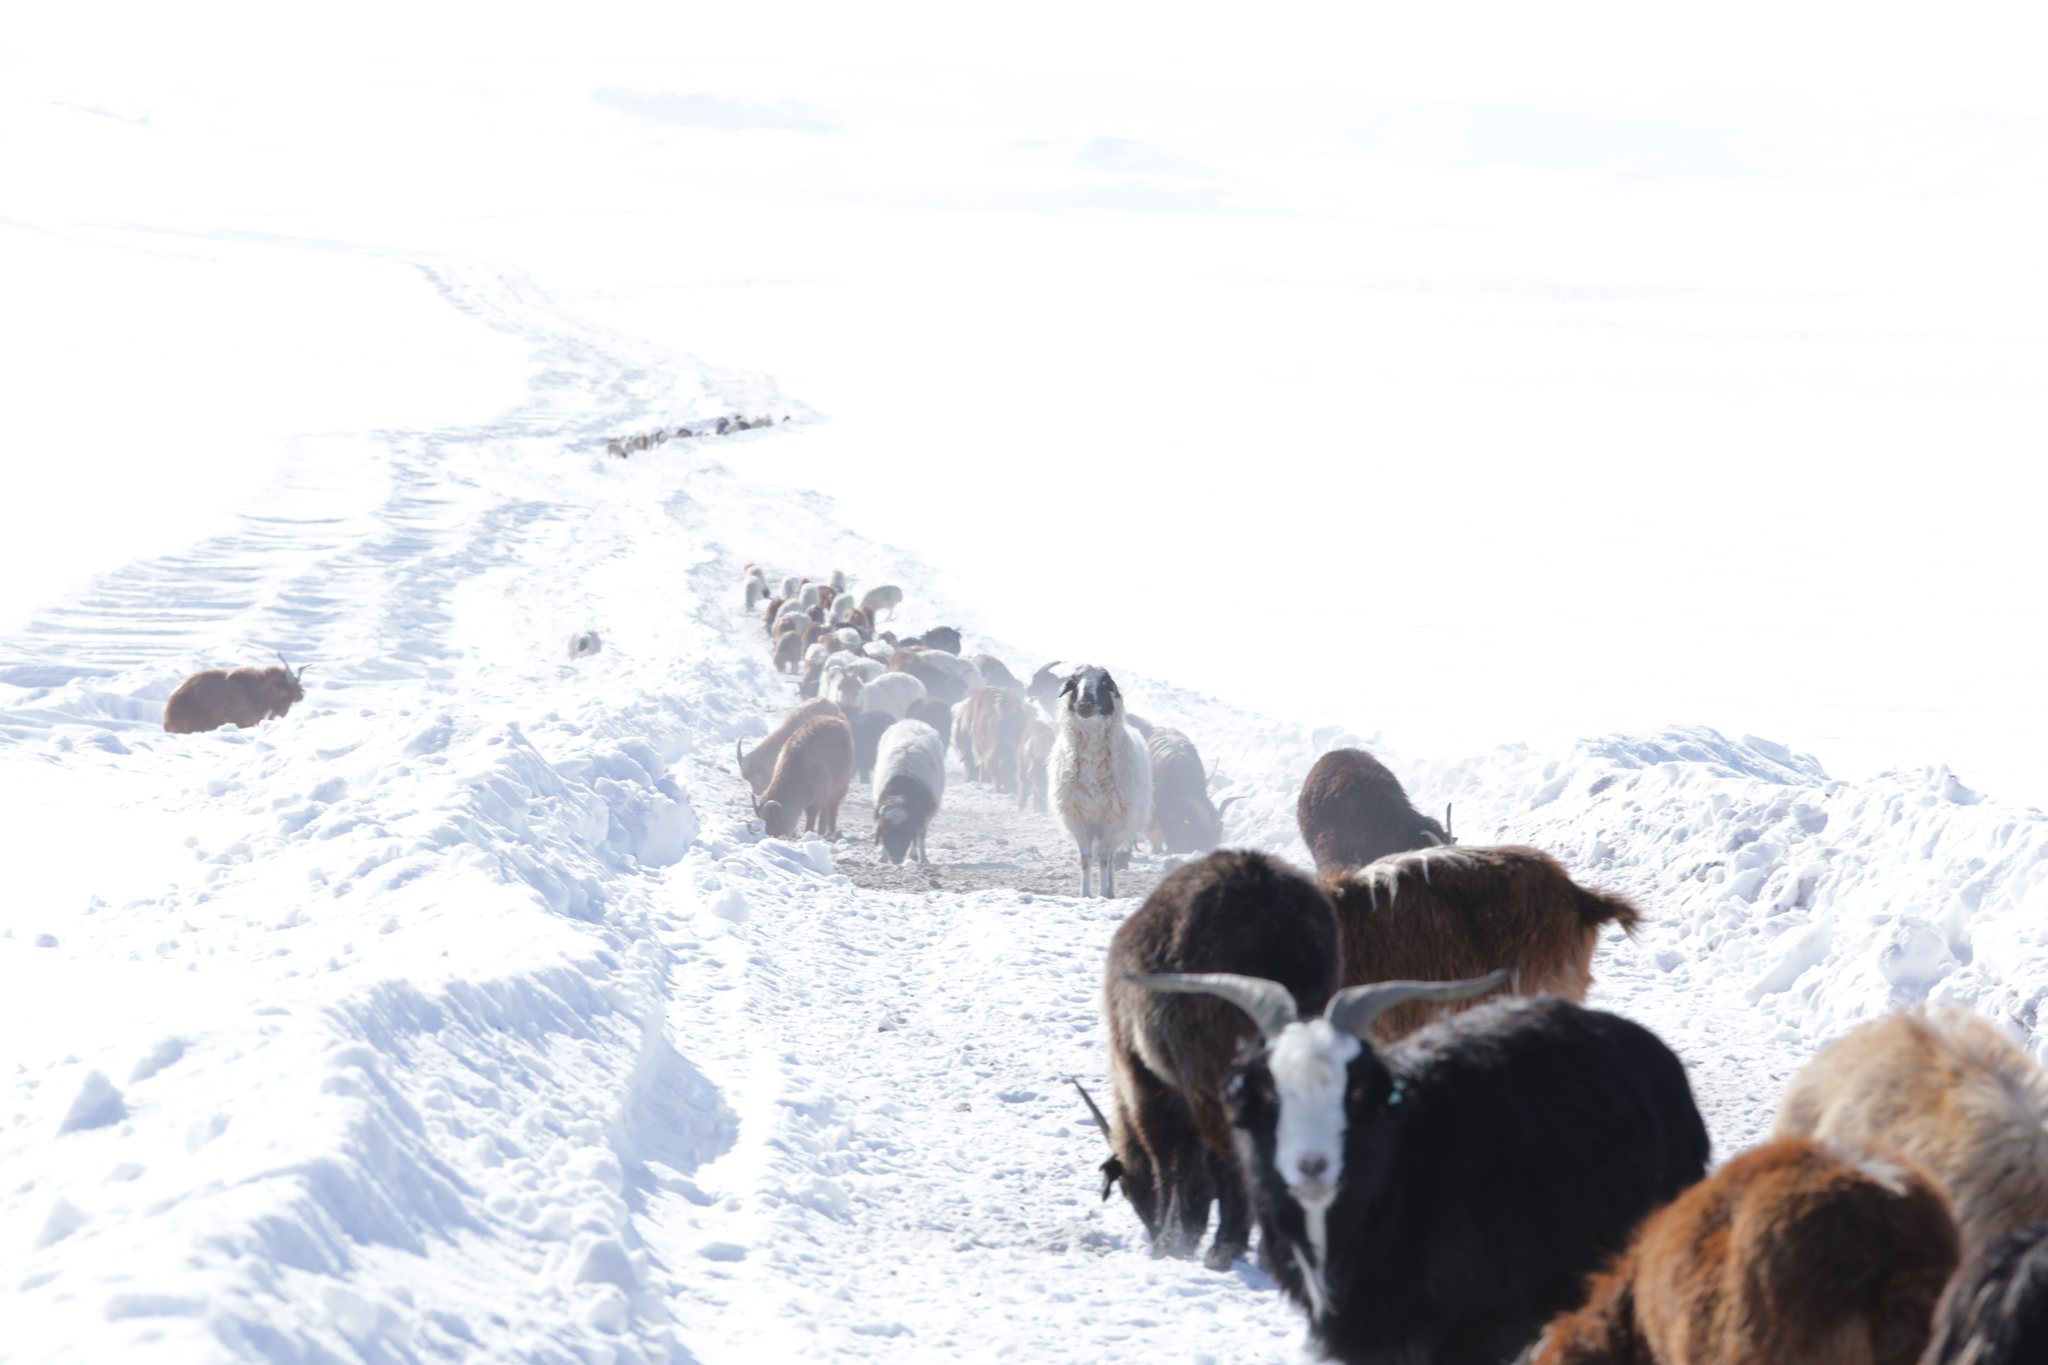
(1094, 693)
(894, 831)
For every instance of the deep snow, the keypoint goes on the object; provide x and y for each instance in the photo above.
(461, 1013)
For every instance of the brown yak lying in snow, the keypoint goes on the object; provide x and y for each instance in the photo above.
(244, 696)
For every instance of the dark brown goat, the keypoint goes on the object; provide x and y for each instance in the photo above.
(1791, 1254)
(1995, 1310)
(773, 610)
(810, 780)
(1184, 819)
(996, 719)
(1352, 810)
(758, 767)
(1034, 757)
(1171, 1055)
(1436, 914)
(243, 696)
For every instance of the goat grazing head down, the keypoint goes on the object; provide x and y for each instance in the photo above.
(1296, 1096)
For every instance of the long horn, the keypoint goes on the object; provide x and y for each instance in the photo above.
(741, 759)
(1447, 824)
(1224, 805)
(1353, 1010)
(1093, 1108)
(1266, 1002)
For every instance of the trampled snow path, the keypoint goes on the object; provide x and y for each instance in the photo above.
(461, 1015)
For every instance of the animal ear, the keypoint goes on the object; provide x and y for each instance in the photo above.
(1073, 680)
(1112, 1171)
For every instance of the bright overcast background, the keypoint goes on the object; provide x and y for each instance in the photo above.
(1471, 374)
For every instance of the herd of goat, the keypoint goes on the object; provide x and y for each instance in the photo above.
(1386, 1066)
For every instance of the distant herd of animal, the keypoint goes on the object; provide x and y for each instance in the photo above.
(625, 446)
(1387, 1065)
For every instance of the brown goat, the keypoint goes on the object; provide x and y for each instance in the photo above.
(995, 674)
(758, 767)
(774, 610)
(1450, 914)
(810, 780)
(217, 697)
(789, 651)
(1034, 757)
(997, 718)
(1352, 810)
(1790, 1254)
(1947, 1089)
(1171, 1056)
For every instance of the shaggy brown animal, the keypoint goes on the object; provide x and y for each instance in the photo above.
(774, 609)
(995, 674)
(810, 780)
(1034, 754)
(244, 696)
(1170, 1056)
(1450, 914)
(1995, 1310)
(997, 718)
(1947, 1089)
(1790, 1254)
(1352, 810)
(758, 767)
(789, 651)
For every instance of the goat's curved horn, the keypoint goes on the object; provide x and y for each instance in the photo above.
(1354, 1010)
(1267, 1003)
(1224, 804)
(740, 758)
(1093, 1108)
(1447, 824)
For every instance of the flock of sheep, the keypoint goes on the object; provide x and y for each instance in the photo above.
(625, 446)
(1386, 1065)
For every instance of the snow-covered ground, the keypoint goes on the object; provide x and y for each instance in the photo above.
(461, 1014)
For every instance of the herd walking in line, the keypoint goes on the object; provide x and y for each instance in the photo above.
(1385, 1065)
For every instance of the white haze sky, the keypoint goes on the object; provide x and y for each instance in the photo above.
(1475, 375)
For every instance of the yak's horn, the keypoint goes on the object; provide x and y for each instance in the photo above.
(1266, 1002)
(1093, 1108)
(1354, 1010)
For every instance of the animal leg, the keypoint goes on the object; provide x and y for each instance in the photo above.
(1233, 1214)
(1108, 877)
(1087, 865)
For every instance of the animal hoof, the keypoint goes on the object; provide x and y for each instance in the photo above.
(1222, 1257)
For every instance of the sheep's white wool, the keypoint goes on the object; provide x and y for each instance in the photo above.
(912, 749)
(1101, 778)
(1382, 878)
(892, 692)
(1310, 1063)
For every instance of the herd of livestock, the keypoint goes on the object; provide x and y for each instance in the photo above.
(1386, 1065)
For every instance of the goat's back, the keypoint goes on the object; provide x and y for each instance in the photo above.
(1450, 914)
(1995, 1311)
(1352, 810)
(1947, 1089)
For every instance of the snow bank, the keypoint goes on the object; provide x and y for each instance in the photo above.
(462, 1013)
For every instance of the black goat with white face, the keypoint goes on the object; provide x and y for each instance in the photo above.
(1442, 1198)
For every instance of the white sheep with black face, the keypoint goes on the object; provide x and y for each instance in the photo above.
(1099, 772)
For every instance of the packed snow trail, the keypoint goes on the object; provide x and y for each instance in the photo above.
(463, 1014)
